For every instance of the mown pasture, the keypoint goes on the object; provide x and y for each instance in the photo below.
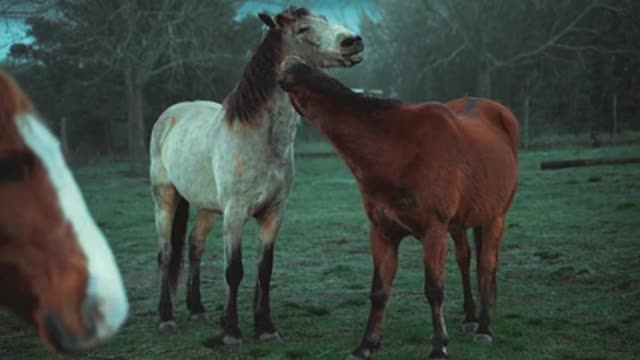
(568, 284)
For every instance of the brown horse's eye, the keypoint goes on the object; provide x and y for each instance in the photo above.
(303, 30)
(15, 166)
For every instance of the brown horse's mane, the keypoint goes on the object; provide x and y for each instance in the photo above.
(258, 82)
(322, 84)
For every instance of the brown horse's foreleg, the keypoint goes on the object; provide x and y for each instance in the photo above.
(435, 258)
(197, 238)
(385, 265)
(487, 268)
(234, 222)
(166, 201)
(270, 224)
(463, 257)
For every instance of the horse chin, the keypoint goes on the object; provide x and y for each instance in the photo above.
(354, 59)
(343, 61)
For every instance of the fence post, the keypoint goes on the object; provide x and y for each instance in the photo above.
(615, 118)
(526, 123)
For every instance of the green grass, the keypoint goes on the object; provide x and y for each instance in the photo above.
(569, 282)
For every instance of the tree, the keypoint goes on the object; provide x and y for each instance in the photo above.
(136, 41)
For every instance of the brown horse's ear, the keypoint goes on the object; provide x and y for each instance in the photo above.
(266, 18)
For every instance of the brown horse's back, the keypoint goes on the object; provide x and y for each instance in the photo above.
(488, 110)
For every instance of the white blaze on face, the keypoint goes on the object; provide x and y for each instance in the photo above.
(105, 287)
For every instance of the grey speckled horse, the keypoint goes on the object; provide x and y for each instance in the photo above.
(236, 159)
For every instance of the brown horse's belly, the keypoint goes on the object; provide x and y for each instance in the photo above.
(396, 212)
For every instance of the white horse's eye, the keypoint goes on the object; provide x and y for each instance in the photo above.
(303, 30)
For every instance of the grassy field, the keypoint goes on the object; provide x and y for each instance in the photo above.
(568, 285)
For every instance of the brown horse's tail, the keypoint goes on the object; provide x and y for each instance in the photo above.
(178, 237)
(505, 120)
(512, 128)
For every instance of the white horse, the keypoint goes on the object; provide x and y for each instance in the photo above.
(236, 159)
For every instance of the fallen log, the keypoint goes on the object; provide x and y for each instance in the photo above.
(561, 164)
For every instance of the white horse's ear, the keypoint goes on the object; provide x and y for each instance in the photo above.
(266, 18)
(284, 19)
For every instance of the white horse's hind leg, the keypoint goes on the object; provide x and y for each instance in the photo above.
(234, 221)
(270, 225)
(197, 238)
(171, 214)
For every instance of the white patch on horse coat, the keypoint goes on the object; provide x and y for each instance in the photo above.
(105, 287)
(199, 154)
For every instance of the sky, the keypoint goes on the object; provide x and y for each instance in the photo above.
(346, 12)
(11, 31)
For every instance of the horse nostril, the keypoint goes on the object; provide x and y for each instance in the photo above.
(351, 41)
(92, 315)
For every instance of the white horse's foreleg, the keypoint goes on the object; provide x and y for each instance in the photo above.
(270, 225)
(234, 221)
(197, 238)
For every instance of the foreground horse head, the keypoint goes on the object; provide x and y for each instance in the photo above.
(56, 269)
(316, 40)
(423, 170)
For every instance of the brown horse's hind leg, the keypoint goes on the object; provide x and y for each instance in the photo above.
(171, 216)
(385, 266)
(197, 238)
(487, 268)
(463, 257)
(434, 246)
(270, 224)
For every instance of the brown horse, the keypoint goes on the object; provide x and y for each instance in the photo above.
(423, 170)
(56, 269)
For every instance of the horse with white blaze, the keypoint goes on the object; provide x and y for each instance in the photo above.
(57, 270)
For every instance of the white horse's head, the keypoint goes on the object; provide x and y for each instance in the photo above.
(314, 39)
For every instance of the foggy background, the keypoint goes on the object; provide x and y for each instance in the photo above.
(102, 71)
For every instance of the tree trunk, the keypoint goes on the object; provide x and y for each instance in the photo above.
(136, 132)
(483, 84)
(108, 137)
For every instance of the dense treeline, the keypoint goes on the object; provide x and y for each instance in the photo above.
(571, 58)
(104, 70)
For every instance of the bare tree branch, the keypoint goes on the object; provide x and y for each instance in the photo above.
(554, 40)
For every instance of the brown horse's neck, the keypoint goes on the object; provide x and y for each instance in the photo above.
(363, 137)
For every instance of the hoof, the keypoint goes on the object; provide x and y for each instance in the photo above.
(200, 317)
(484, 339)
(355, 357)
(362, 354)
(439, 354)
(231, 340)
(469, 327)
(167, 326)
(265, 337)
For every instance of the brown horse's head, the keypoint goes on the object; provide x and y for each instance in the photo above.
(56, 269)
(315, 39)
(304, 82)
